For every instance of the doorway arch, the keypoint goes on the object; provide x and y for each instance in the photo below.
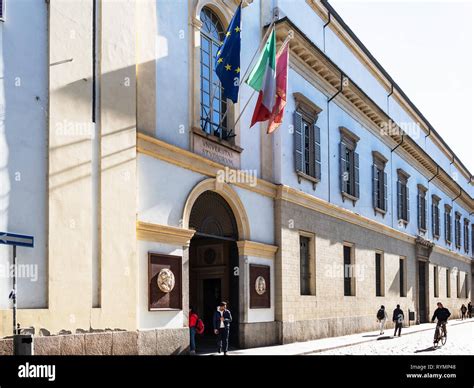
(217, 215)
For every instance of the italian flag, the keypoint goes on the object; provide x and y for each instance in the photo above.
(263, 80)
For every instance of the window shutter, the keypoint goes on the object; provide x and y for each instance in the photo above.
(385, 191)
(419, 199)
(375, 186)
(446, 227)
(426, 212)
(342, 166)
(437, 222)
(299, 142)
(433, 223)
(408, 203)
(400, 200)
(317, 152)
(356, 175)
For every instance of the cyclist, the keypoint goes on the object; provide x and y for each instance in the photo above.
(442, 314)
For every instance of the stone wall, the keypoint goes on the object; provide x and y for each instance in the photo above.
(328, 312)
(116, 343)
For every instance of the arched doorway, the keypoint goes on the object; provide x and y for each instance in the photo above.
(214, 262)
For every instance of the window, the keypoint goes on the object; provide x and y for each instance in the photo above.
(448, 224)
(448, 283)
(307, 139)
(435, 281)
(422, 213)
(466, 235)
(213, 104)
(379, 275)
(379, 183)
(435, 216)
(307, 265)
(457, 230)
(349, 279)
(472, 240)
(458, 284)
(466, 288)
(349, 165)
(403, 195)
(402, 277)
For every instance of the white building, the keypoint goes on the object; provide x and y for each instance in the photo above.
(103, 158)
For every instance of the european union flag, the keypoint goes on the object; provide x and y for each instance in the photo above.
(228, 59)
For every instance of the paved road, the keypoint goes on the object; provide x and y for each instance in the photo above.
(460, 341)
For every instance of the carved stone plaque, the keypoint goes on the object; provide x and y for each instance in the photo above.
(260, 295)
(164, 282)
(216, 152)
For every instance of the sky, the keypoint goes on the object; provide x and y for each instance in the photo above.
(427, 48)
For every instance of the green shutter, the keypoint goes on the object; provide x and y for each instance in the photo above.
(299, 142)
(356, 175)
(317, 152)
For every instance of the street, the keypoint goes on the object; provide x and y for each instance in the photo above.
(460, 342)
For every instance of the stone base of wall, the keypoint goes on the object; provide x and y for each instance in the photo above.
(254, 335)
(149, 342)
(309, 330)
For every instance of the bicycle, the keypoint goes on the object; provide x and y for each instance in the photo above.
(440, 335)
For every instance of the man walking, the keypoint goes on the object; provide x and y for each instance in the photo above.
(382, 318)
(398, 318)
(222, 320)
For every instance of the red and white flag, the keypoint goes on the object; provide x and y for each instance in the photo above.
(278, 112)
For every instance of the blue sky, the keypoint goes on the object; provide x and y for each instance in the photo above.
(427, 48)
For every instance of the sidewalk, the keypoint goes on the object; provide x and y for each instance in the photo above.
(320, 345)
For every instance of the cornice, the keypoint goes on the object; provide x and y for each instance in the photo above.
(164, 234)
(175, 155)
(256, 249)
(315, 61)
(321, 10)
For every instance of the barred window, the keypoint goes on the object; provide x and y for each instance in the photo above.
(307, 140)
(457, 230)
(422, 213)
(403, 196)
(448, 224)
(349, 165)
(213, 104)
(435, 216)
(379, 183)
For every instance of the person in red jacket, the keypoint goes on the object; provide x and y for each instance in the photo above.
(193, 320)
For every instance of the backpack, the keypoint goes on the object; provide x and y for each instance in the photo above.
(380, 314)
(199, 326)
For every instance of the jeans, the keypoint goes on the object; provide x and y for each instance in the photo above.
(398, 327)
(382, 325)
(192, 342)
(223, 339)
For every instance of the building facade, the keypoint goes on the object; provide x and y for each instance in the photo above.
(147, 192)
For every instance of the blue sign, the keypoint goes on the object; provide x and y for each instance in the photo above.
(16, 239)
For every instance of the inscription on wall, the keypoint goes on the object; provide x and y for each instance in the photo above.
(216, 152)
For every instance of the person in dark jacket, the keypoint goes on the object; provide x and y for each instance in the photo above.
(463, 311)
(221, 321)
(441, 314)
(398, 318)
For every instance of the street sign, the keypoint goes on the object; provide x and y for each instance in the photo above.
(16, 239)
